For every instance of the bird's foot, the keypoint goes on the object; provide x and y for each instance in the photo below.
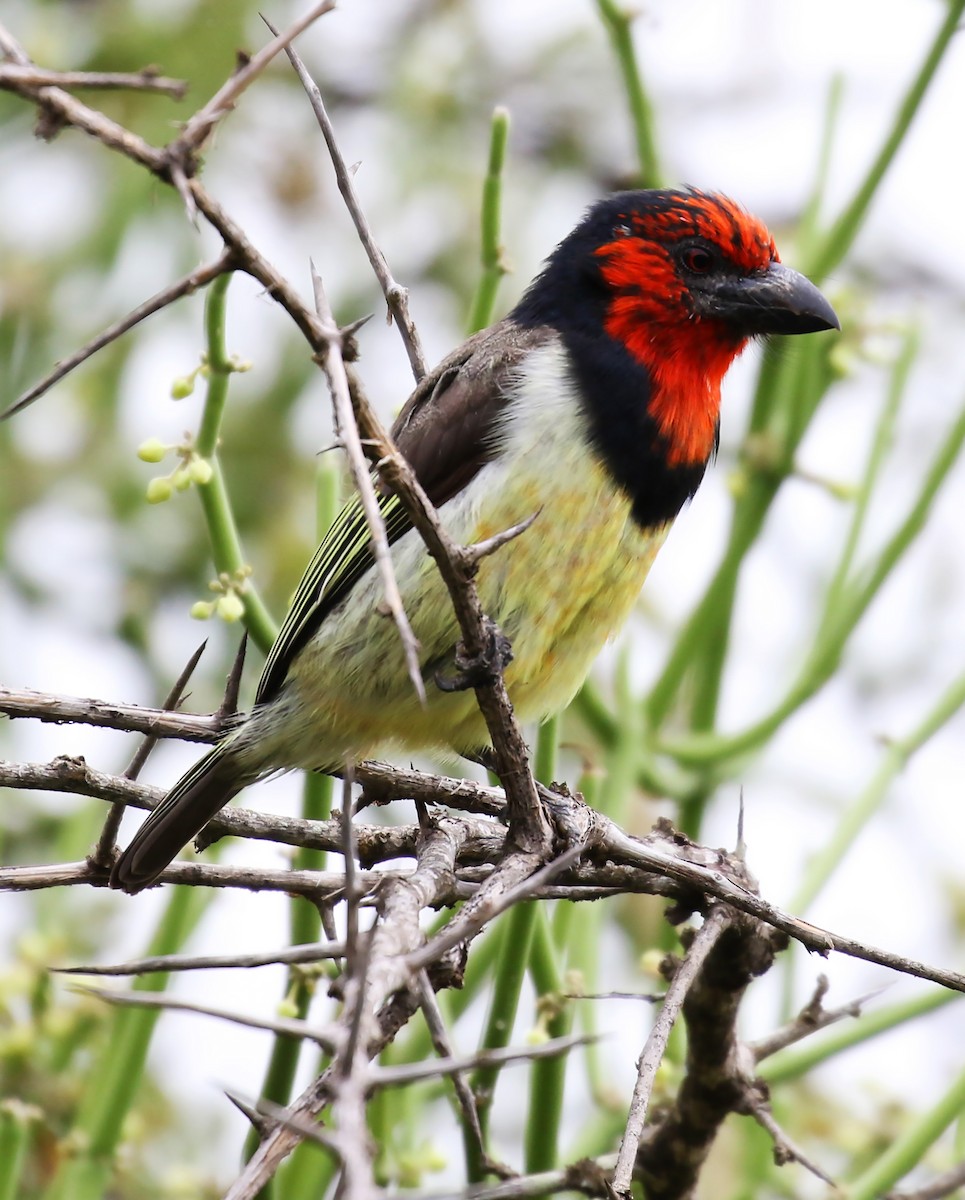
(477, 670)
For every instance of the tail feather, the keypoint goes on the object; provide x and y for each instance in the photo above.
(183, 813)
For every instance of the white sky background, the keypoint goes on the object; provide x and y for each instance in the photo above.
(740, 90)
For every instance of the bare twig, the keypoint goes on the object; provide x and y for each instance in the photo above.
(305, 952)
(668, 863)
(285, 1117)
(396, 296)
(785, 1150)
(656, 1044)
(15, 76)
(407, 1073)
(181, 152)
(103, 853)
(501, 891)
(810, 1019)
(347, 430)
(328, 1039)
(482, 643)
(940, 1187)
(185, 286)
(443, 1047)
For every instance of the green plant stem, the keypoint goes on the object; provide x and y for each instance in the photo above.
(880, 445)
(304, 919)
(704, 638)
(507, 985)
(226, 548)
(520, 948)
(16, 1121)
(114, 1079)
(547, 1075)
(618, 22)
(854, 600)
(808, 227)
(907, 1150)
(797, 1061)
(493, 254)
(842, 234)
(854, 819)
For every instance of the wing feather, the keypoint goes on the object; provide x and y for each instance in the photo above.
(447, 431)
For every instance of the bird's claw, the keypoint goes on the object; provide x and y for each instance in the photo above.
(477, 670)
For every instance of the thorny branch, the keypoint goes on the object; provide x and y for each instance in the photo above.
(391, 969)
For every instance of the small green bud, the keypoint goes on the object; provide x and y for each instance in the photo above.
(200, 470)
(152, 451)
(435, 1160)
(158, 490)
(183, 387)
(288, 1008)
(201, 610)
(229, 607)
(181, 479)
(537, 1036)
(650, 962)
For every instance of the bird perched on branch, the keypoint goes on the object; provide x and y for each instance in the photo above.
(594, 404)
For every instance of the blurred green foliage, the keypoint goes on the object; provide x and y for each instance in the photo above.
(87, 236)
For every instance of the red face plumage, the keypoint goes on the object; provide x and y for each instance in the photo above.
(651, 264)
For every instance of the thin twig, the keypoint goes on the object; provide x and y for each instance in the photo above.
(352, 893)
(282, 1116)
(785, 1149)
(656, 1043)
(103, 854)
(347, 430)
(305, 952)
(483, 909)
(809, 1020)
(940, 1187)
(407, 1073)
(147, 80)
(396, 296)
(185, 286)
(328, 1039)
(482, 646)
(443, 1047)
(199, 126)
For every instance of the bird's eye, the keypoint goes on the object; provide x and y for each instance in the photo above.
(698, 260)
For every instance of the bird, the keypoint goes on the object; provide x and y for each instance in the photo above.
(595, 404)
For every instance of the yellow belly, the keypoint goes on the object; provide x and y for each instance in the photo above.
(559, 591)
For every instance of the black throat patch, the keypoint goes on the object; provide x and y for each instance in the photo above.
(615, 392)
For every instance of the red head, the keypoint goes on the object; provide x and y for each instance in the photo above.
(680, 280)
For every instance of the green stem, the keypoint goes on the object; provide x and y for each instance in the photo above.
(114, 1080)
(709, 750)
(881, 444)
(906, 1151)
(493, 254)
(304, 919)
(808, 227)
(226, 548)
(618, 22)
(16, 1122)
(843, 232)
(894, 760)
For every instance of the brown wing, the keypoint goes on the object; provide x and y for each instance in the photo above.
(446, 429)
(446, 432)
